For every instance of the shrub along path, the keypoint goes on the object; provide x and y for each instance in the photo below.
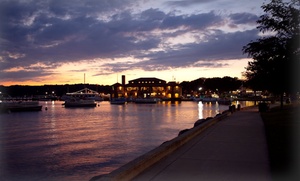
(282, 133)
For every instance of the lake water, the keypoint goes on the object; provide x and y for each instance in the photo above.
(79, 143)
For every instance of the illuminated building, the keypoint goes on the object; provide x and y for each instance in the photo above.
(147, 87)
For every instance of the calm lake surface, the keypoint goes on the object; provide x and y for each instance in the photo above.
(78, 143)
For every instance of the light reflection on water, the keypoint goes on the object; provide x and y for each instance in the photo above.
(209, 109)
(78, 143)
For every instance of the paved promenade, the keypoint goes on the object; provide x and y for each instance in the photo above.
(234, 149)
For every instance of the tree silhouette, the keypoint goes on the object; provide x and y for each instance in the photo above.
(276, 54)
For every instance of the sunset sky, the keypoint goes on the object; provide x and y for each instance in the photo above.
(58, 41)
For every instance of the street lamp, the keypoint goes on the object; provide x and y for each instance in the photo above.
(200, 88)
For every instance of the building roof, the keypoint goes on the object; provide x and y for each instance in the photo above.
(147, 79)
(117, 84)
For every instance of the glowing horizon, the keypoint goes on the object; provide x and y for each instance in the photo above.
(179, 75)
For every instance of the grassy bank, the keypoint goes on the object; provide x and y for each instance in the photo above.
(282, 132)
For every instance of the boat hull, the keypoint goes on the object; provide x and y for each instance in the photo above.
(146, 101)
(29, 108)
(80, 103)
(20, 106)
(118, 101)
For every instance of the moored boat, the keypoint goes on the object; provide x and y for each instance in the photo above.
(80, 103)
(13, 106)
(119, 100)
(146, 100)
(85, 93)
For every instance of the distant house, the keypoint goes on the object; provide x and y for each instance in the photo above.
(147, 87)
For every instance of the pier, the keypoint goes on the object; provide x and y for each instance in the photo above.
(227, 147)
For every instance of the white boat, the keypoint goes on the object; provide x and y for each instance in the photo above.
(18, 106)
(119, 100)
(85, 93)
(80, 103)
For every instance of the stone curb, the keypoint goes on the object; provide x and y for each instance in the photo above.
(138, 165)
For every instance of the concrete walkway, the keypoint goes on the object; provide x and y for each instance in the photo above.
(233, 149)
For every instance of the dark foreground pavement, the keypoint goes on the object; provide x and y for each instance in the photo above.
(235, 148)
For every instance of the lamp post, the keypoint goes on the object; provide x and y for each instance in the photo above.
(200, 88)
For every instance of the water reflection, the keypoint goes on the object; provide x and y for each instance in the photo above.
(76, 144)
(209, 109)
